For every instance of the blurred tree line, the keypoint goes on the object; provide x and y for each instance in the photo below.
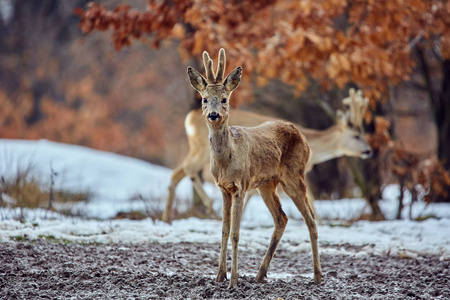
(299, 60)
(56, 84)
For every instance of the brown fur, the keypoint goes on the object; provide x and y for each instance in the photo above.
(244, 158)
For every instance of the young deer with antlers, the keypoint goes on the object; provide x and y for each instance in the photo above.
(346, 137)
(245, 158)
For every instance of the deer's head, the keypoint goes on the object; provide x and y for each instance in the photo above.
(353, 142)
(215, 90)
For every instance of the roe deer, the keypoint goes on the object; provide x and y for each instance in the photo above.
(245, 158)
(346, 137)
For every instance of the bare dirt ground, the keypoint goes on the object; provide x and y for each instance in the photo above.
(46, 270)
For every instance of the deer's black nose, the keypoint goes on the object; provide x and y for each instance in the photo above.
(367, 154)
(213, 116)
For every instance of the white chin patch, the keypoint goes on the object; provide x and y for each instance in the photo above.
(365, 156)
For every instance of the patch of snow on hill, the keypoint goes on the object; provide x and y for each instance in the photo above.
(115, 179)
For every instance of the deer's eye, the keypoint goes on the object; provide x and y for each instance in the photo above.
(205, 100)
(224, 100)
(357, 137)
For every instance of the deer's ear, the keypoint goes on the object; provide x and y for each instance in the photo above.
(198, 82)
(233, 79)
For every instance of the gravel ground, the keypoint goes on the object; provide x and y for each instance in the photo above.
(48, 270)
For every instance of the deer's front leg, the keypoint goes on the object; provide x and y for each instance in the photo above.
(226, 212)
(236, 214)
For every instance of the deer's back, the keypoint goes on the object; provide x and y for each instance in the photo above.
(283, 137)
(196, 128)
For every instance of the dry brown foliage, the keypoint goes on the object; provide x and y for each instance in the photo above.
(410, 169)
(335, 42)
(437, 181)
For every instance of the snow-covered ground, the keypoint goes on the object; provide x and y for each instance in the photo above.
(115, 179)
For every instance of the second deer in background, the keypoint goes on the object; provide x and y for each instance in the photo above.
(345, 138)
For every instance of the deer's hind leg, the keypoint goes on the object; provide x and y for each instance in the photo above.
(190, 166)
(177, 175)
(272, 201)
(295, 188)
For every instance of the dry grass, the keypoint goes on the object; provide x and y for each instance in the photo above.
(24, 190)
(151, 209)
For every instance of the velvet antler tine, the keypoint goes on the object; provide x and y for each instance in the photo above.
(350, 102)
(365, 106)
(221, 66)
(357, 119)
(354, 105)
(358, 106)
(208, 63)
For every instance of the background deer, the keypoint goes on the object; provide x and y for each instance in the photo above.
(245, 158)
(346, 137)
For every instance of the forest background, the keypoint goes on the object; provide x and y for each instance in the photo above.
(126, 91)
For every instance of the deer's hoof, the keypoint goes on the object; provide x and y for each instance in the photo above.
(221, 277)
(233, 284)
(260, 277)
(317, 278)
(262, 274)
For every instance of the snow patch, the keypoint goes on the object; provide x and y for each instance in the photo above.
(115, 179)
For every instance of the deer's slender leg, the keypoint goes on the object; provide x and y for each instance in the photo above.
(226, 214)
(207, 201)
(236, 215)
(270, 197)
(295, 188)
(177, 175)
(311, 199)
(192, 164)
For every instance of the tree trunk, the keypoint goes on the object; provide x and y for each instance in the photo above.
(440, 105)
(368, 180)
(442, 116)
(400, 198)
(413, 199)
(371, 171)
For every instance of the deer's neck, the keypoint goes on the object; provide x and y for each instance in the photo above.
(221, 143)
(326, 144)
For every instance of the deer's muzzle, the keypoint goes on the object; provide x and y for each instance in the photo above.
(367, 154)
(213, 116)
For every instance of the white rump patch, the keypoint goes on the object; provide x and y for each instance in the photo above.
(190, 130)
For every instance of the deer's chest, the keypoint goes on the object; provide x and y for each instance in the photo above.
(229, 179)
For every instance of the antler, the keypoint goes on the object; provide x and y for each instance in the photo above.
(221, 67)
(358, 106)
(208, 63)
